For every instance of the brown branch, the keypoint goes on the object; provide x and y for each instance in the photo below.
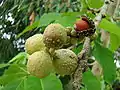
(102, 13)
(82, 65)
(112, 6)
(32, 18)
(73, 46)
(76, 77)
(93, 10)
(116, 18)
(105, 8)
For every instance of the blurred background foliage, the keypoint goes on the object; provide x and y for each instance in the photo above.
(15, 15)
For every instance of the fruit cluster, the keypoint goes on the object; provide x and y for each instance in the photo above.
(47, 53)
(41, 62)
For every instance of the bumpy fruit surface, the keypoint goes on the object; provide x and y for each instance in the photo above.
(65, 61)
(54, 36)
(68, 30)
(81, 25)
(40, 64)
(34, 43)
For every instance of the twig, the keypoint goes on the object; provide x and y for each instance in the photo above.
(102, 13)
(112, 8)
(94, 10)
(76, 77)
(82, 65)
(73, 46)
(116, 18)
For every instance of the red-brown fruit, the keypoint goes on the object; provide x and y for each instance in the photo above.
(81, 25)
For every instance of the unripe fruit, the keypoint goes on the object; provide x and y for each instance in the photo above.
(81, 25)
(40, 64)
(65, 61)
(34, 43)
(73, 40)
(68, 30)
(54, 36)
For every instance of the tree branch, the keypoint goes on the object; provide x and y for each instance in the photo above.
(82, 65)
(112, 6)
(76, 77)
(115, 16)
(102, 13)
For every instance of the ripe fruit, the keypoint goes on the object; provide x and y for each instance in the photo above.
(40, 64)
(34, 43)
(54, 36)
(84, 27)
(65, 61)
(81, 25)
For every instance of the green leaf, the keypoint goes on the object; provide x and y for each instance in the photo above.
(29, 28)
(12, 85)
(110, 27)
(20, 57)
(30, 83)
(95, 3)
(84, 6)
(33, 83)
(68, 19)
(1, 87)
(102, 85)
(91, 81)
(114, 42)
(4, 65)
(51, 83)
(48, 18)
(105, 57)
(77, 49)
(14, 72)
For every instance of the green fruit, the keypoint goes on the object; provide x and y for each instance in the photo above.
(54, 36)
(65, 61)
(34, 43)
(67, 44)
(40, 64)
(68, 30)
(73, 40)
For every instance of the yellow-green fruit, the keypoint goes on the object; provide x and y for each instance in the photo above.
(68, 30)
(65, 61)
(54, 36)
(40, 64)
(34, 43)
(73, 40)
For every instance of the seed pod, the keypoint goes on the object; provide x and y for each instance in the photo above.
(40, 64)
(84, 27)
(54, 36)
(34, 43)
(65, 61)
